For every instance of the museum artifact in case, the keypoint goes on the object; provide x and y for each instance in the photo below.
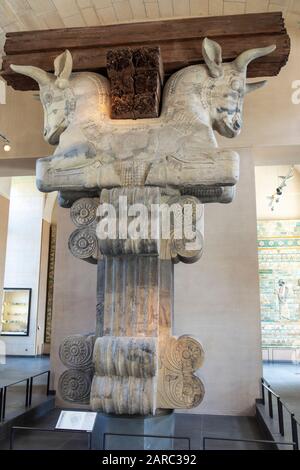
(15, 312)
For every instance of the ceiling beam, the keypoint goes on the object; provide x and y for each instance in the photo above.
(180, 42)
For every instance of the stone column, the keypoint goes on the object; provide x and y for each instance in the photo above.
(140, 368)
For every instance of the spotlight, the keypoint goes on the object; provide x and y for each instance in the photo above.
(6, 143)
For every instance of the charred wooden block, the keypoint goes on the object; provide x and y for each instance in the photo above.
(120, 61)
(146, 59)
(146, 105)
(122, 85)
(136, 77)
(122, 107)
(147, 81)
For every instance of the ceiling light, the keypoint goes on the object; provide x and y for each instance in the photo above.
(6, 143)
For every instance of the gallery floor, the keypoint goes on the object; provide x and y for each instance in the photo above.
(284, 378)
(17, 368)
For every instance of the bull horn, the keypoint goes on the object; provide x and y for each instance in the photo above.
(39, 75)
(255, 86)
(242, 61)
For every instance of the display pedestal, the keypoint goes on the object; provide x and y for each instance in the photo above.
(110, 430)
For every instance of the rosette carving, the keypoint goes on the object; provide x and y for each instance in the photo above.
(83, 244)
(75, 386)
(84, 212)
(76, 351)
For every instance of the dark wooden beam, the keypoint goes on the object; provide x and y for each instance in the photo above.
(136, 33)
(179, 41)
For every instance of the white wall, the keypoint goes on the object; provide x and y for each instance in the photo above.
(4, 211)
(23, 254)
(217, 300)
(5, 187)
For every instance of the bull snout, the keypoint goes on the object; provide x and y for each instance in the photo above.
(236, 126)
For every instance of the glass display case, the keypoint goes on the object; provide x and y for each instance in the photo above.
(15, 313)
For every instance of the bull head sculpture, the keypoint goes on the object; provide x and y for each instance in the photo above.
(196, 100)
(56, 94)
(221, 85)
(227, 86)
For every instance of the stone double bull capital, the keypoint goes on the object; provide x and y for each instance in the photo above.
(138, 366)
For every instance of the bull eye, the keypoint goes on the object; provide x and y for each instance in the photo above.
(48, 98)
(236, 85)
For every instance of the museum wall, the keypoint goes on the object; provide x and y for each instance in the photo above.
(74, 302)
(21, 121)
(4, 211)
(23, 254)
(42, 290)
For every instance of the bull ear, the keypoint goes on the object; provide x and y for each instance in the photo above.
(63, 68)
(242, 61)
(37, 74)
(255, 86)
(212, 54)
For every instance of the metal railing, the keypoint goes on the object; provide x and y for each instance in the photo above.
(50, 430)
(28, 392)
(151, 436)
(252, 441)
(266, 387)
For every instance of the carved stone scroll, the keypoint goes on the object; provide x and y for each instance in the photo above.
(125, 375)
(178, 387)
(126, 356)
(123, 395)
